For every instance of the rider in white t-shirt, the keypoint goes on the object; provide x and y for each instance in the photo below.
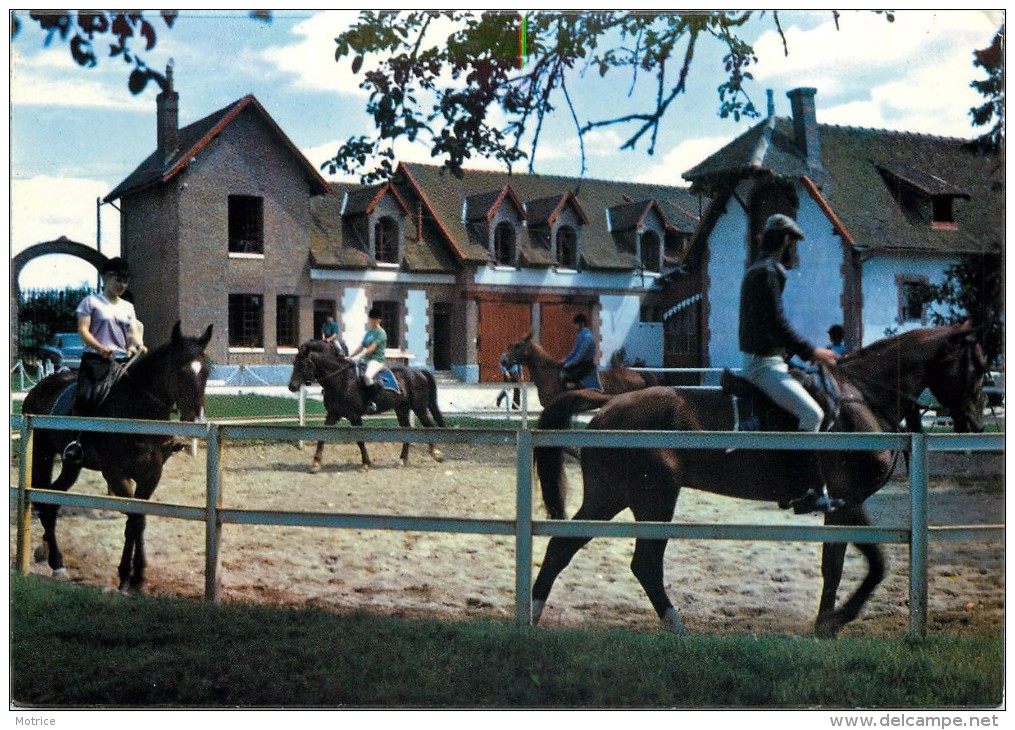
(111, 331)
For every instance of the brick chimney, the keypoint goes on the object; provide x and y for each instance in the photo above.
(168, 114)
(805, 125)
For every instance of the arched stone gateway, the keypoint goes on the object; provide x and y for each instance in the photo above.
(62, 245)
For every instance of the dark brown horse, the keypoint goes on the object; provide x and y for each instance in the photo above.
(171, 377)
(877, 386)
(345, 397)
(544, 371)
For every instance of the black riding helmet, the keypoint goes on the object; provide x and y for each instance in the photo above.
(117, 266)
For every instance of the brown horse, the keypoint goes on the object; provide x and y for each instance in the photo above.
(345, 397)
(544, 371)
(171, 377)
(877, 385)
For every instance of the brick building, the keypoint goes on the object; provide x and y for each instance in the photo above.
(227, 222)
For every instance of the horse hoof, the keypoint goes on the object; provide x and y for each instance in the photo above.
(402, 463)
(673, 624)
(827, 627)
(364, 468)
(314, 468)
(41, 553)
(61, 575)
(537, 610)
(438, 456)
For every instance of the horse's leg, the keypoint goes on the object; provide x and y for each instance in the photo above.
(424, 417)
(830, 619)
(120, 486)
(404, 421)
(144, 490)
(315, 465)
(653, 499)
(42, 475)
(559, 552)
(604, 499)
(357, 420)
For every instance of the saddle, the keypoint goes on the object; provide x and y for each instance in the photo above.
(590, 381)
(754, 411)
(385, 378)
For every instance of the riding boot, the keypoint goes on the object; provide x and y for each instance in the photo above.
(373, 391)
(813, 499)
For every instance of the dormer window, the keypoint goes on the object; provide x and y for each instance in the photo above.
(386, 241)
(504, 248)
(567, 247)
(943, 211)
(924, 197)
(649, 250)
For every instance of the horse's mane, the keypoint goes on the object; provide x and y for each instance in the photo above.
(912, 338)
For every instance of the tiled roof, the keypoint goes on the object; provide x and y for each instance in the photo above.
(194, 137)
(446, 194)
(336, 243)
(860, 195)
(864, 202)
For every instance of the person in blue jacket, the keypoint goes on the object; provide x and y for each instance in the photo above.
(581, 360)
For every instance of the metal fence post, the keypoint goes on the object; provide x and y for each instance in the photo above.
(213, 523)
(918, 536)
(523, 529)
(24, 537)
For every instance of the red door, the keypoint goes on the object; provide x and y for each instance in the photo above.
(500, 324)
(556, 330)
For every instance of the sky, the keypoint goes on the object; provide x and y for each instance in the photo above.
(76, 133)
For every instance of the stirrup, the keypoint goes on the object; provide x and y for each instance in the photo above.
(73, 453)
(371, 407)
(818, 503)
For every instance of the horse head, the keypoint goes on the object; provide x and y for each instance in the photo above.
(955, 377)
(304, 372)
(520, 352)
(189, 372)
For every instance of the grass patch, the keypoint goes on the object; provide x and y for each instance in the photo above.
(75, 646)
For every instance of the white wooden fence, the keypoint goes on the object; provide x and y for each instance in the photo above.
(523, 526)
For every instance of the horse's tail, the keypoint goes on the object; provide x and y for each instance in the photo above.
(431, 386)
(550, 459)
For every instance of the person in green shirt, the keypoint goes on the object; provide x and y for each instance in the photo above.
(329, 333)
(375, 341)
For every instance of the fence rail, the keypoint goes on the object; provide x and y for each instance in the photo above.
(523, 526)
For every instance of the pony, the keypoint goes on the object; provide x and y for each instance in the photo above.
(545, 371)
(877, 387)
(344, 395)
(170, 378)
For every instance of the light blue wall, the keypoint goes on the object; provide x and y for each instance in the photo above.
(354, 315)
(728, 253)
(416, 320)
(620, 326)
(881, 292)
(813, 294)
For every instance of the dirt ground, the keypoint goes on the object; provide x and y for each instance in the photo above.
(720, 587)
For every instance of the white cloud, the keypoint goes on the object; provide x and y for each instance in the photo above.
(44, 209)
(912, 74)
(680, 159)
(54, 80)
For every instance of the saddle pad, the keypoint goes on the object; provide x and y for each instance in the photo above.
(65, 401)
(592, 381)
(388, 381)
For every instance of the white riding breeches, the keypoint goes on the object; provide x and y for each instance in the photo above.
(771, 376)
(370, 371)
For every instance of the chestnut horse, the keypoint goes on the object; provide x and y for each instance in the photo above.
(345, 396)
(877, 384)
(169, 378)
(544, 371)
